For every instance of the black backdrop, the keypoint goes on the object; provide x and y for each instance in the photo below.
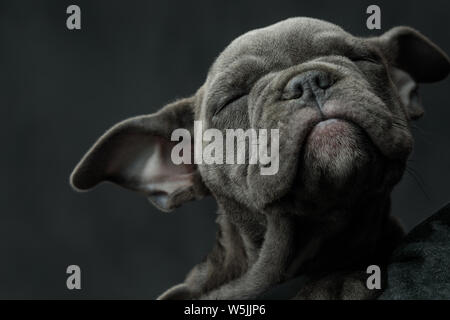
(60, 89)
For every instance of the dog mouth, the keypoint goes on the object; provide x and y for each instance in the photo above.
(327, 129)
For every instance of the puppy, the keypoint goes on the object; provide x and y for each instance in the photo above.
(342, 104)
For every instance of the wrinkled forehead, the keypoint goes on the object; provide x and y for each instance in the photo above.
(284, 44)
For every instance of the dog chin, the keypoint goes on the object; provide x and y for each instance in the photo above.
(337, 154)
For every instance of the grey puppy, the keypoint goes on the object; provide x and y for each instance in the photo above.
(342, 104)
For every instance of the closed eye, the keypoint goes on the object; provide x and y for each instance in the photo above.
(364, 59)
(229, 101)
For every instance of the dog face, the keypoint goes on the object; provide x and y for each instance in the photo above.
(342, 105)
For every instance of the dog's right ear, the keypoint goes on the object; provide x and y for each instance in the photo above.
(412, 52)
(136, 154)
(413, 59)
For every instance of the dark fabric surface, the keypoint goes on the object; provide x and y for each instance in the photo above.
(420, 266)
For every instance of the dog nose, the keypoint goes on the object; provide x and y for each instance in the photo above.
(316, 81)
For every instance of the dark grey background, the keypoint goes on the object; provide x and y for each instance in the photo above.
(61, 89)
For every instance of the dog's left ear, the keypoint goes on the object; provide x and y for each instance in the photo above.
(136, 154)
(413, 59)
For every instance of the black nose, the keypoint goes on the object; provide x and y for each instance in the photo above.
(315, 81)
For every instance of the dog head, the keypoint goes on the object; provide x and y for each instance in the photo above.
(342, 105)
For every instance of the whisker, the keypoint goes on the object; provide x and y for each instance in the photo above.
(418, 179)
(422, 133)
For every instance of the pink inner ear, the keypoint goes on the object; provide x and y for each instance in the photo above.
(160, 174)
(404, 83)
(144, 163)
